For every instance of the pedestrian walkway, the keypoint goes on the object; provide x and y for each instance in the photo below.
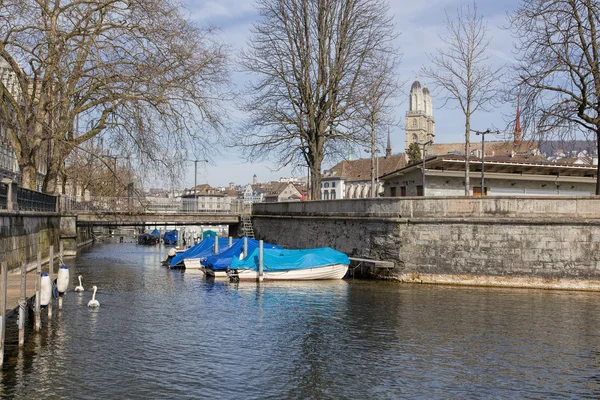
(13, 291)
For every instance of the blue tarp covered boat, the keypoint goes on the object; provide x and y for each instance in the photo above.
(200, 251)
(170, 237)
(282, 264)
(219, 262)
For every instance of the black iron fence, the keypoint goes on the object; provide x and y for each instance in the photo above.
(30, 200)
(3, 196)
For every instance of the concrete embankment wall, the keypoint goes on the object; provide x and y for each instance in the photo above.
(509, 241)
(23, 234)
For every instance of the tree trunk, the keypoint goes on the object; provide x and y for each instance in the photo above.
(315, 177)
(28, 176)
(598, 155)
(467, 152)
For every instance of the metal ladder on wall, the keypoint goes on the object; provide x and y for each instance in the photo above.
(247, 226)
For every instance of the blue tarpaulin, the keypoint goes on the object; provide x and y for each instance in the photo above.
(219, 262)
(201, 250)
(155, 232)
(170, 237)
(285, 260)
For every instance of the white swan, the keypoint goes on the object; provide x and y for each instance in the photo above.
(93, 302)
(80, 287)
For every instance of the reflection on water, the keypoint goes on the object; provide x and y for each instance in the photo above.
(163, 333)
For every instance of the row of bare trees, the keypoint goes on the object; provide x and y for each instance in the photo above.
(153, 84)
(135, 72)
(323, 81)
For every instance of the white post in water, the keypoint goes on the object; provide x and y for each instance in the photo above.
(230, 241)
(260, 261)
(51, 275)
(22, 305)
(38, 286)
(3, 282)
(245, 246)
(61, 250)
(216, 250)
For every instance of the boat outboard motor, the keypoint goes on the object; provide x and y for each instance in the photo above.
(233, 276)
(172, 252)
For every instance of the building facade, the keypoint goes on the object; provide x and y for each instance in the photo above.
(444, 176)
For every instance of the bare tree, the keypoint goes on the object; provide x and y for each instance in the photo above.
(135, 71)
(559, 68)
(377, 111)
(312, 59)
(461, 70)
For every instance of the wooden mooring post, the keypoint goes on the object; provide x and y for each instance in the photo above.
(38, 288)
(22, 305)
(230, 241)
(261, 261)
(3, 290)
(51, 275)
(245, 246)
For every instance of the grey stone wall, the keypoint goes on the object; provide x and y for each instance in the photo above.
(23, 234)
(502, 237)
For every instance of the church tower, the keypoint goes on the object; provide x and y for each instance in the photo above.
(419, 117)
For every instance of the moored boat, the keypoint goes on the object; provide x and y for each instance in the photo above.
(216, 265)
(199, 252)
(281, 264)
(171, 237)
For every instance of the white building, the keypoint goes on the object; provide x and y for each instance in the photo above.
(503, 176)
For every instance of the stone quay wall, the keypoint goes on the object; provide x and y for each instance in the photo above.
(24, 233)
(545, 242)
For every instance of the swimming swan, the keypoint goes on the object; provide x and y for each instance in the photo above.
(93, 302)
(80, 287)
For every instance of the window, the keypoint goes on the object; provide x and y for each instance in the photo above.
(477, 191)
(332, 184)
(403, 191)
(325, 195)
(393, 191)
(420, 190)
(327, 185)
(333, 195)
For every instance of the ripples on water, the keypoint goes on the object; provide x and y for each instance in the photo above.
(161, 333)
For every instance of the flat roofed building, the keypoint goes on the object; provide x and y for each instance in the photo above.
(503, 176)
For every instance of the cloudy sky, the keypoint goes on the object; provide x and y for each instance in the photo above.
(419, 23)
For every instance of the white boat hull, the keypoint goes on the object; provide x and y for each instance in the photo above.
(192, 263)
(336, 271)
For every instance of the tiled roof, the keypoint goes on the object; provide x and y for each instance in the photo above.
(360, 170)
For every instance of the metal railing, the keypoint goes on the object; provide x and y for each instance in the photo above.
(157, 205)
(3, 196)
(30, 200)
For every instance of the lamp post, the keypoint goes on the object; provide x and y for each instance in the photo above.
(483, 133)
(423, 167)
(196, 161)
(374, 171)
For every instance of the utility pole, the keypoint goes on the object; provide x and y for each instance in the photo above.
(196, 161)
(483, 133)
(423, 167)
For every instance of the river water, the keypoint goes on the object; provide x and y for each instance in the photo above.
(167, 334)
